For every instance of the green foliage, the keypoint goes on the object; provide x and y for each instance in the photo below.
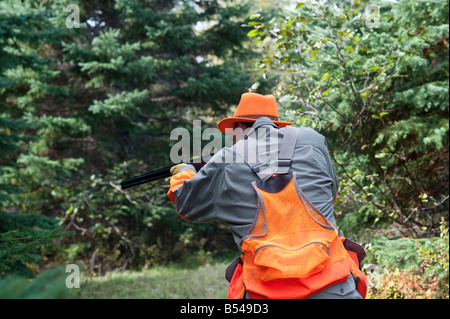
(379, 93)
(434, 261)
(48, 285)
(83, 108)
(118, 230)
(396, 253)
(19, 251)
(120, 104)
(26, 235)
(152, 70)
(410, 268)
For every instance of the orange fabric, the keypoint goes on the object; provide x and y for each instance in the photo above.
(236, 289)
(250, 108)
(175, 182)
(292, 250)
(335, 200)
(354, 257)
(361, 287)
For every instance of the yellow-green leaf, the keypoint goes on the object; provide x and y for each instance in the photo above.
(253, 33)
(349, 48)
(70, 210)
(325, 77)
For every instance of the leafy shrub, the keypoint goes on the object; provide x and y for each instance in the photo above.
(434, 264)
(410, 268)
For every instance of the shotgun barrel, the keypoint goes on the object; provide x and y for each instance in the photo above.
(145, 178)
(158, 174)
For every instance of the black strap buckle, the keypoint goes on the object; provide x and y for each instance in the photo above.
(284, 161)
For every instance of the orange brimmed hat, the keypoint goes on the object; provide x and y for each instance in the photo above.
(251, 107)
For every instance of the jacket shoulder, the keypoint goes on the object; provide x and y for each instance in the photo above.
(309, 136)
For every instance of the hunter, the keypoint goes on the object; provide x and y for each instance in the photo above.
(275, 188)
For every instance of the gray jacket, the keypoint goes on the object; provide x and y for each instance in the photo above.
(222, 189)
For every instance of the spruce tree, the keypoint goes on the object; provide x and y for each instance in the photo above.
(98, 103)
(26, 233)
(142, 69)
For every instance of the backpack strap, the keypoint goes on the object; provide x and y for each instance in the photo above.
(287, 150)
(263, 169)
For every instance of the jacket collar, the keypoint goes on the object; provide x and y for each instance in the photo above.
(263, 121)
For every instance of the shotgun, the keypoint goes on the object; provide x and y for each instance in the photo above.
(158, 174)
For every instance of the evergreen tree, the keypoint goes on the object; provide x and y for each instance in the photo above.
(147, 67)
(25, 233)
(98, 103)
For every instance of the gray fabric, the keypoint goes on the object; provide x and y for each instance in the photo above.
(247, 149)
(344, 290)
(222, 189)
(287, 149)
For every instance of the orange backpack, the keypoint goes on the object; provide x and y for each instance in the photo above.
(292, 251)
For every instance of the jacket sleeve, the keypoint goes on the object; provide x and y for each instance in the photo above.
(332, 173)
(194, 194)
(318, 178)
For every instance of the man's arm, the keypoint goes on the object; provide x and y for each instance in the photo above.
(194, 194)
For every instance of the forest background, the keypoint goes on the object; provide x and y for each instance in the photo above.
(85, 105)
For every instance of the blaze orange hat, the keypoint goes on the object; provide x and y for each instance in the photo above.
(251, 107)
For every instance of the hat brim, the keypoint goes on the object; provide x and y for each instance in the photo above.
(230, 121)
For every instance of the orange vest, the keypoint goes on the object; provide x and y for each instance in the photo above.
(292, 251)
